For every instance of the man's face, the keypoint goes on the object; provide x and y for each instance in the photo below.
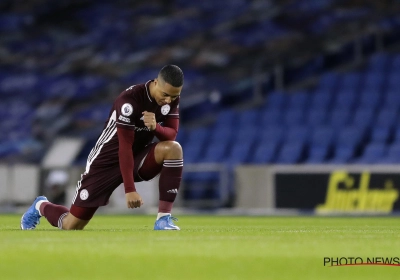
(164, 93)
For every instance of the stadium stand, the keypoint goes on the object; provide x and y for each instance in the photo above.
(328, 91)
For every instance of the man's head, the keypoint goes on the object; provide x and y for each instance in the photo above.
(168, 85)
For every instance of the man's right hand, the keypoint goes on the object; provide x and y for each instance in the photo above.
(133, 200)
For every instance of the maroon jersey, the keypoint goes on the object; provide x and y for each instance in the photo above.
(126, 113)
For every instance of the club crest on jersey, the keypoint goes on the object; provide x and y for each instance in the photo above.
(127, 109)
(84, 194)
(165, 109)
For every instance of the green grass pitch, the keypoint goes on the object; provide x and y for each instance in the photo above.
(207, 247)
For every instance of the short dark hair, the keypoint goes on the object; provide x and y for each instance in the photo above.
(172, 75)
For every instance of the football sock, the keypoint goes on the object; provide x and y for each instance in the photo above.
(54, 213)
(159, 215)
(170, 180)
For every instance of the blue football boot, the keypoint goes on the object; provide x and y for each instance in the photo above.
(31, 218)
(166, 223)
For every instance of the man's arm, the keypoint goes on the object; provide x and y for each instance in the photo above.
(168, 131)
(164, 133)
(126, 164)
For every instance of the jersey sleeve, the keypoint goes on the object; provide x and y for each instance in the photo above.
(126, 109)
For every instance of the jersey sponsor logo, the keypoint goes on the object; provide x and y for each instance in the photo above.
(145, 128)
(165, 109)
(127, 109)
(84, 194)
(122, 118)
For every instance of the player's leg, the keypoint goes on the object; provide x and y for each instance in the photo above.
(57, 215)
(166, 159)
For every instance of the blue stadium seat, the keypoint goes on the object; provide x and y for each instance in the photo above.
(350, 135)
(265, 152)
(317, 154)
(373, 153)
(272, 134)
(247, 134)
(386, 117)
(220, 134)
(339, 117)
(392, 155)
(191, 153)
(381, 134)
(298, 100)
(322, 136)
(293, 117)
(329, 81)
(297, 134)
(226, 118)
(370, 99)
(345, 99)
(396, 134)
(271, 117)
(316, 117)
(343, 154)
(215, 152)
(249, 117)
(379, 62)
(321, 100)
(350, 81)
(276, 100)
(374, 81)
(290, 153)
(239, 153)
(363, 117)
(395, 65)
(392, 100)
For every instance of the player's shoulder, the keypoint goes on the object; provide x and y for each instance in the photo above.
(134, 92)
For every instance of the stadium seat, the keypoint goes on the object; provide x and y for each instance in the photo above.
(316, 117)
(293, 117)
(329, 81)
(363, 117)
(249, 117)
(386, 117)
(298, 100)
(297, 134)
(271, 117)
(345, 99)
(321, 100)
(214, 152)
(370, 100)
(290, 153)
(373, 153)
(339, 118)
(265, 152)
(239, 153)
(226, 118)
(272, 134)
(381, 134)
(350, 81)
(343, 154)
(317, 154)
(392, 100)
(276, 100)
(392, 155)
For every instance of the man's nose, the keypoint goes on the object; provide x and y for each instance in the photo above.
(168, 99)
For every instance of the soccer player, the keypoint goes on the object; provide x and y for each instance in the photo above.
(124, 153)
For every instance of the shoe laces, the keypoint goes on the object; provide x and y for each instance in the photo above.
(173, 218)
